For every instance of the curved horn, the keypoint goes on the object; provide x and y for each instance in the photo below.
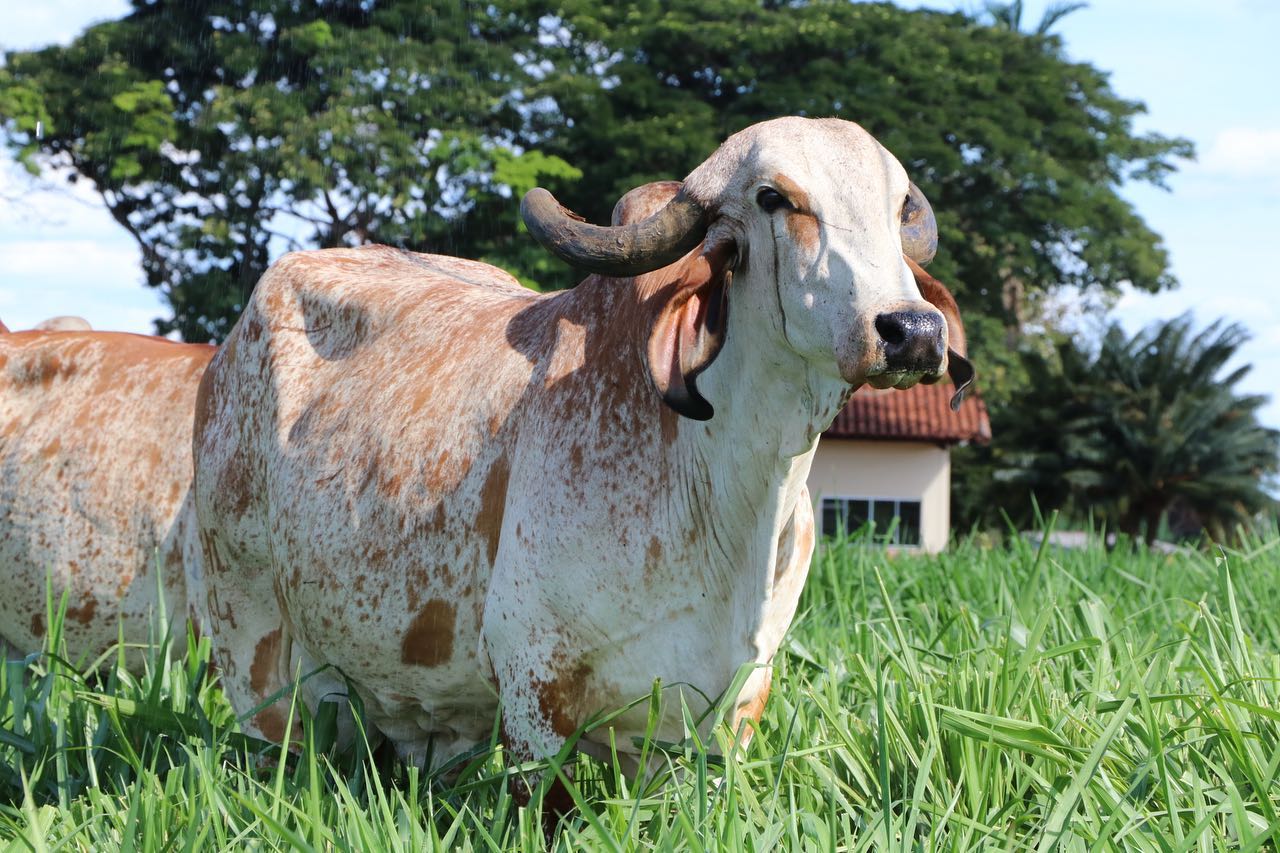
(622, 250)
(919, 228)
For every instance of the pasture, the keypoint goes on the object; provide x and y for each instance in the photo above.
(990, 697)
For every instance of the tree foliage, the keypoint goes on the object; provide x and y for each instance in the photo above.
(223, 131)
(1144, 427)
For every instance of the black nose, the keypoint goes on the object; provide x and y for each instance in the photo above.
(913, 341)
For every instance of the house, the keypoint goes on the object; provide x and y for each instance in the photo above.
(887, 456)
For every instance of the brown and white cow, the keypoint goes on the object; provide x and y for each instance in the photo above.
(418, 478)
(95, 483)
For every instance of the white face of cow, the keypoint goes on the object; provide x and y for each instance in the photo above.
(815, 209)
(808, 232)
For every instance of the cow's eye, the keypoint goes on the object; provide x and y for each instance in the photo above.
(908, 208)
(770, 200)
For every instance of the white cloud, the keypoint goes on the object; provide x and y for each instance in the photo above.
(95, 280)
(1243, 152)
(67, 260)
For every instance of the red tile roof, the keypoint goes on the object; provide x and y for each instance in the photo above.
(921, 413)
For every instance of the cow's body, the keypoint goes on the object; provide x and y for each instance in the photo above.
(424, 577)
(95, 473)
(416, 476)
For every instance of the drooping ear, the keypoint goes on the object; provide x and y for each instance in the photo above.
(690, 329)
(936, 294)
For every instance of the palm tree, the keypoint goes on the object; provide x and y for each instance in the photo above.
(1009, 15)
(1141, 426)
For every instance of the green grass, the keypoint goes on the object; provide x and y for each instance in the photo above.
(998, 698)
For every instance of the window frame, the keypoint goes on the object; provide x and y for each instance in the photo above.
(878, 536)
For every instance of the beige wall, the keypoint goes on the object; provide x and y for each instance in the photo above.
(887, 469)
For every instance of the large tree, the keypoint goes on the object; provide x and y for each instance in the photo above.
(221, 132)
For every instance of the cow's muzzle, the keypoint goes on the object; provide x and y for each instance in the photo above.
(913, 343)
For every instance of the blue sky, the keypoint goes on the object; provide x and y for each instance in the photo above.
(1207, 70)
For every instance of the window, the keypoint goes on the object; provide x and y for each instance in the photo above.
(896, 522)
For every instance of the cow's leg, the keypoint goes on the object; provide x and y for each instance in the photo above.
(252, 645)
(795, 553)
(537, 721)
(747, 717)
(260, 660)
(529, 733)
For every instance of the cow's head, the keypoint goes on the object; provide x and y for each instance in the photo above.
(808, 226)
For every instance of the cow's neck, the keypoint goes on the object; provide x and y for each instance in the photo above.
(752, 458)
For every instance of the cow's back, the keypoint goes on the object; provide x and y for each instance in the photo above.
(95, 472)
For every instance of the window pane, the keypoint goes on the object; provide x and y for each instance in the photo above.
(830, 516)
(857, 513)
(882, 511)
(909, 522)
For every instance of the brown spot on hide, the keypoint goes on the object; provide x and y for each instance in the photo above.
(262, 673)
(37, 624)
(51, 449)
(46, 369)
(493, 502)
(390, 482)
(802, 223)
(237, 484)
(271, 722)
(652, 560)
(429, 640)
(561, 699)
(85, 612)
(803, 228)
(556, 803)
(252, 329)
(126, 577)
